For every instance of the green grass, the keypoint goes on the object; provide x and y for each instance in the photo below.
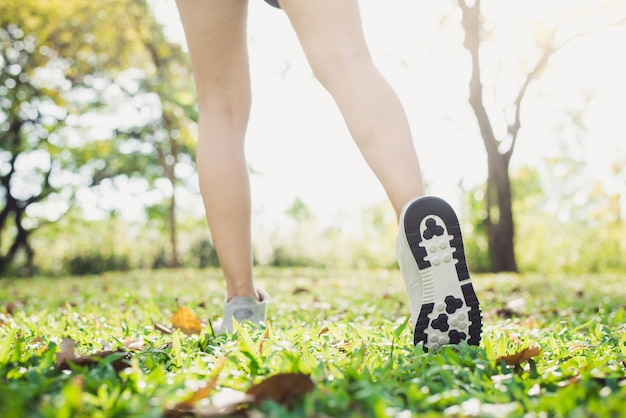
(343, 328)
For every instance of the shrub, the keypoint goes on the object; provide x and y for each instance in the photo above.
(94, 262)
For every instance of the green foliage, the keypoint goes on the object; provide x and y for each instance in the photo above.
(474, 231)
(50, 52)
(203, 253)
(574, 230)
(96, 263)
(346, 329)
(367, 241)
(65, 68)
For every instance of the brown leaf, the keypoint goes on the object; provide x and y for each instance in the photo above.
(204, 392)
(299, 290)
(507, 313)
(284, 388)
(67, 351)
(519, 358)
(188, 407)
(264, 339)
(11, 307)
(134, 344)
(67, 356)
(227, 403)
(93, 360)
(162, 328)
(186, 320)
(323, 331)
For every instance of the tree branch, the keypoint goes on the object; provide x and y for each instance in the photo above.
(548, 51)
(471, 42)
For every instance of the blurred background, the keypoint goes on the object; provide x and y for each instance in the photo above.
(517, 109)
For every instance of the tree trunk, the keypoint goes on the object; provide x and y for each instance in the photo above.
(499, 220)
(174, 260)
(15, 208)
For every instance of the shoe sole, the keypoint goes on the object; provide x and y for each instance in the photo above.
(450, 312)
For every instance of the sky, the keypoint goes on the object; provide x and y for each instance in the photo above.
(300, 148)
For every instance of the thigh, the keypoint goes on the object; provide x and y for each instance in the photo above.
(330, 32)
(216, 36)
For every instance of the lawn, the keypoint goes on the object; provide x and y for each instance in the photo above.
(336, 345)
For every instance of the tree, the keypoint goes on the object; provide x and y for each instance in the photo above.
(60, 63)
(499, 222)
(169, 78)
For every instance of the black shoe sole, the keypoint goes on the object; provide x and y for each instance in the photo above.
(450, 312)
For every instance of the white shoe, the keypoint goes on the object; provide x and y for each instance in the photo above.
(244, 308)
(429, 246)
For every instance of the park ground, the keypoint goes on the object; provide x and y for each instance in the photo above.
(336, 344)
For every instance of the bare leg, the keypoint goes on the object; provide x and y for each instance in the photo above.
(332, 38)
(216, 35)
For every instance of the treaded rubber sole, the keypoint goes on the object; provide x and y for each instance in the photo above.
(450, 311)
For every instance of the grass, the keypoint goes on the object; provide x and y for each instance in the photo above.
(346, 329)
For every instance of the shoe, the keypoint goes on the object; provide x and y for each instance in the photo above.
(429, 246)
(244, 308)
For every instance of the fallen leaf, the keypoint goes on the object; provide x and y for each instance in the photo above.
(204, 392)
(186, 320)
(284, 388)
(226, 403)
(67, 351)
(135, 344)
(11, 307)
(67, 356)
(219, 405)
(92, 360)
(264, 339)
(163, 329)
(521, 357)
(507, 313)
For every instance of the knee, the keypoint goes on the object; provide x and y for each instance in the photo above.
(223, 104)
(335, 68)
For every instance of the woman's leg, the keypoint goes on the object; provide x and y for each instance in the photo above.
(444, 307)
(216, 35)
(332, 38)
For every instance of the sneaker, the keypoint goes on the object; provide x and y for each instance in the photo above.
(444, 306)
(244, 308)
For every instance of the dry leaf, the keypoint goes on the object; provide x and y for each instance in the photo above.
(162, 328)
(135, 344)
(67, 351)
(204, 392)
(11, 307)
(186, 320)
(521, 357)
(188, 406)
(323, 331)
(226, 403)
(507, 313)
(67, 356)
(283, 388)
(264, 339)
(93, 360)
